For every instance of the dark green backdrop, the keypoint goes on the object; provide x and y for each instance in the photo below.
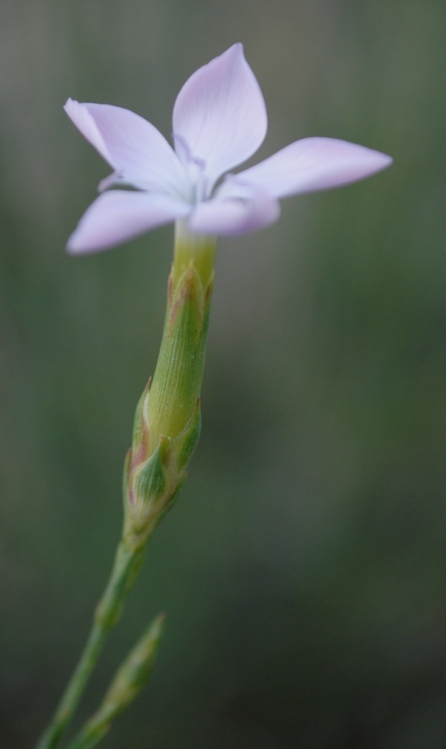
(303, 572)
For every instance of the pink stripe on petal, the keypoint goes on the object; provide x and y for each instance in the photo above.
(119, 215)
(314, 164)
(219, 115)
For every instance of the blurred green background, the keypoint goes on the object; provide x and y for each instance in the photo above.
(303, 572)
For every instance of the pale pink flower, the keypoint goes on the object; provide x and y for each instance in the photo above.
(219, 121)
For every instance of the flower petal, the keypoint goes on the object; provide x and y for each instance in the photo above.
(314, 164)
(235, 214)
(219, 115)
(137, 151)
(119, 215)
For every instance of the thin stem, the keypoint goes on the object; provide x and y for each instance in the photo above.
(169, 418)
(123, 575)
(127, 683)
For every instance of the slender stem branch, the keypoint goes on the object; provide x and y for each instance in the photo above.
(126, 685)
(122, 578)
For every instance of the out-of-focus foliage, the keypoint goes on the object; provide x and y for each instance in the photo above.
(303, 572)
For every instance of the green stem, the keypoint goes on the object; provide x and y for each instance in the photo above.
(122, 578)
(166, 431)
(127, 683)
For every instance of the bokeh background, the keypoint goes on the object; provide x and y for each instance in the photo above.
(304, 569)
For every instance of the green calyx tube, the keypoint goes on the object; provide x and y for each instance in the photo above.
(167, 419)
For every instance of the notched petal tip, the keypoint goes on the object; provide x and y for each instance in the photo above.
(69, 103)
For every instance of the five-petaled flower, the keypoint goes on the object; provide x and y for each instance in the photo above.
(219, 121)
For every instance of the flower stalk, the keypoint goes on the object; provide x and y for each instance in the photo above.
(165, 433)
(125, 568)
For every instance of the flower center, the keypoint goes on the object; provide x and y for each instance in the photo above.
(195, 169)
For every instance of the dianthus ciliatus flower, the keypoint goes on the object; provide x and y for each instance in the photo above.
(219, 121)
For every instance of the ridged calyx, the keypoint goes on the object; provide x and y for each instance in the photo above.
(168, 416)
